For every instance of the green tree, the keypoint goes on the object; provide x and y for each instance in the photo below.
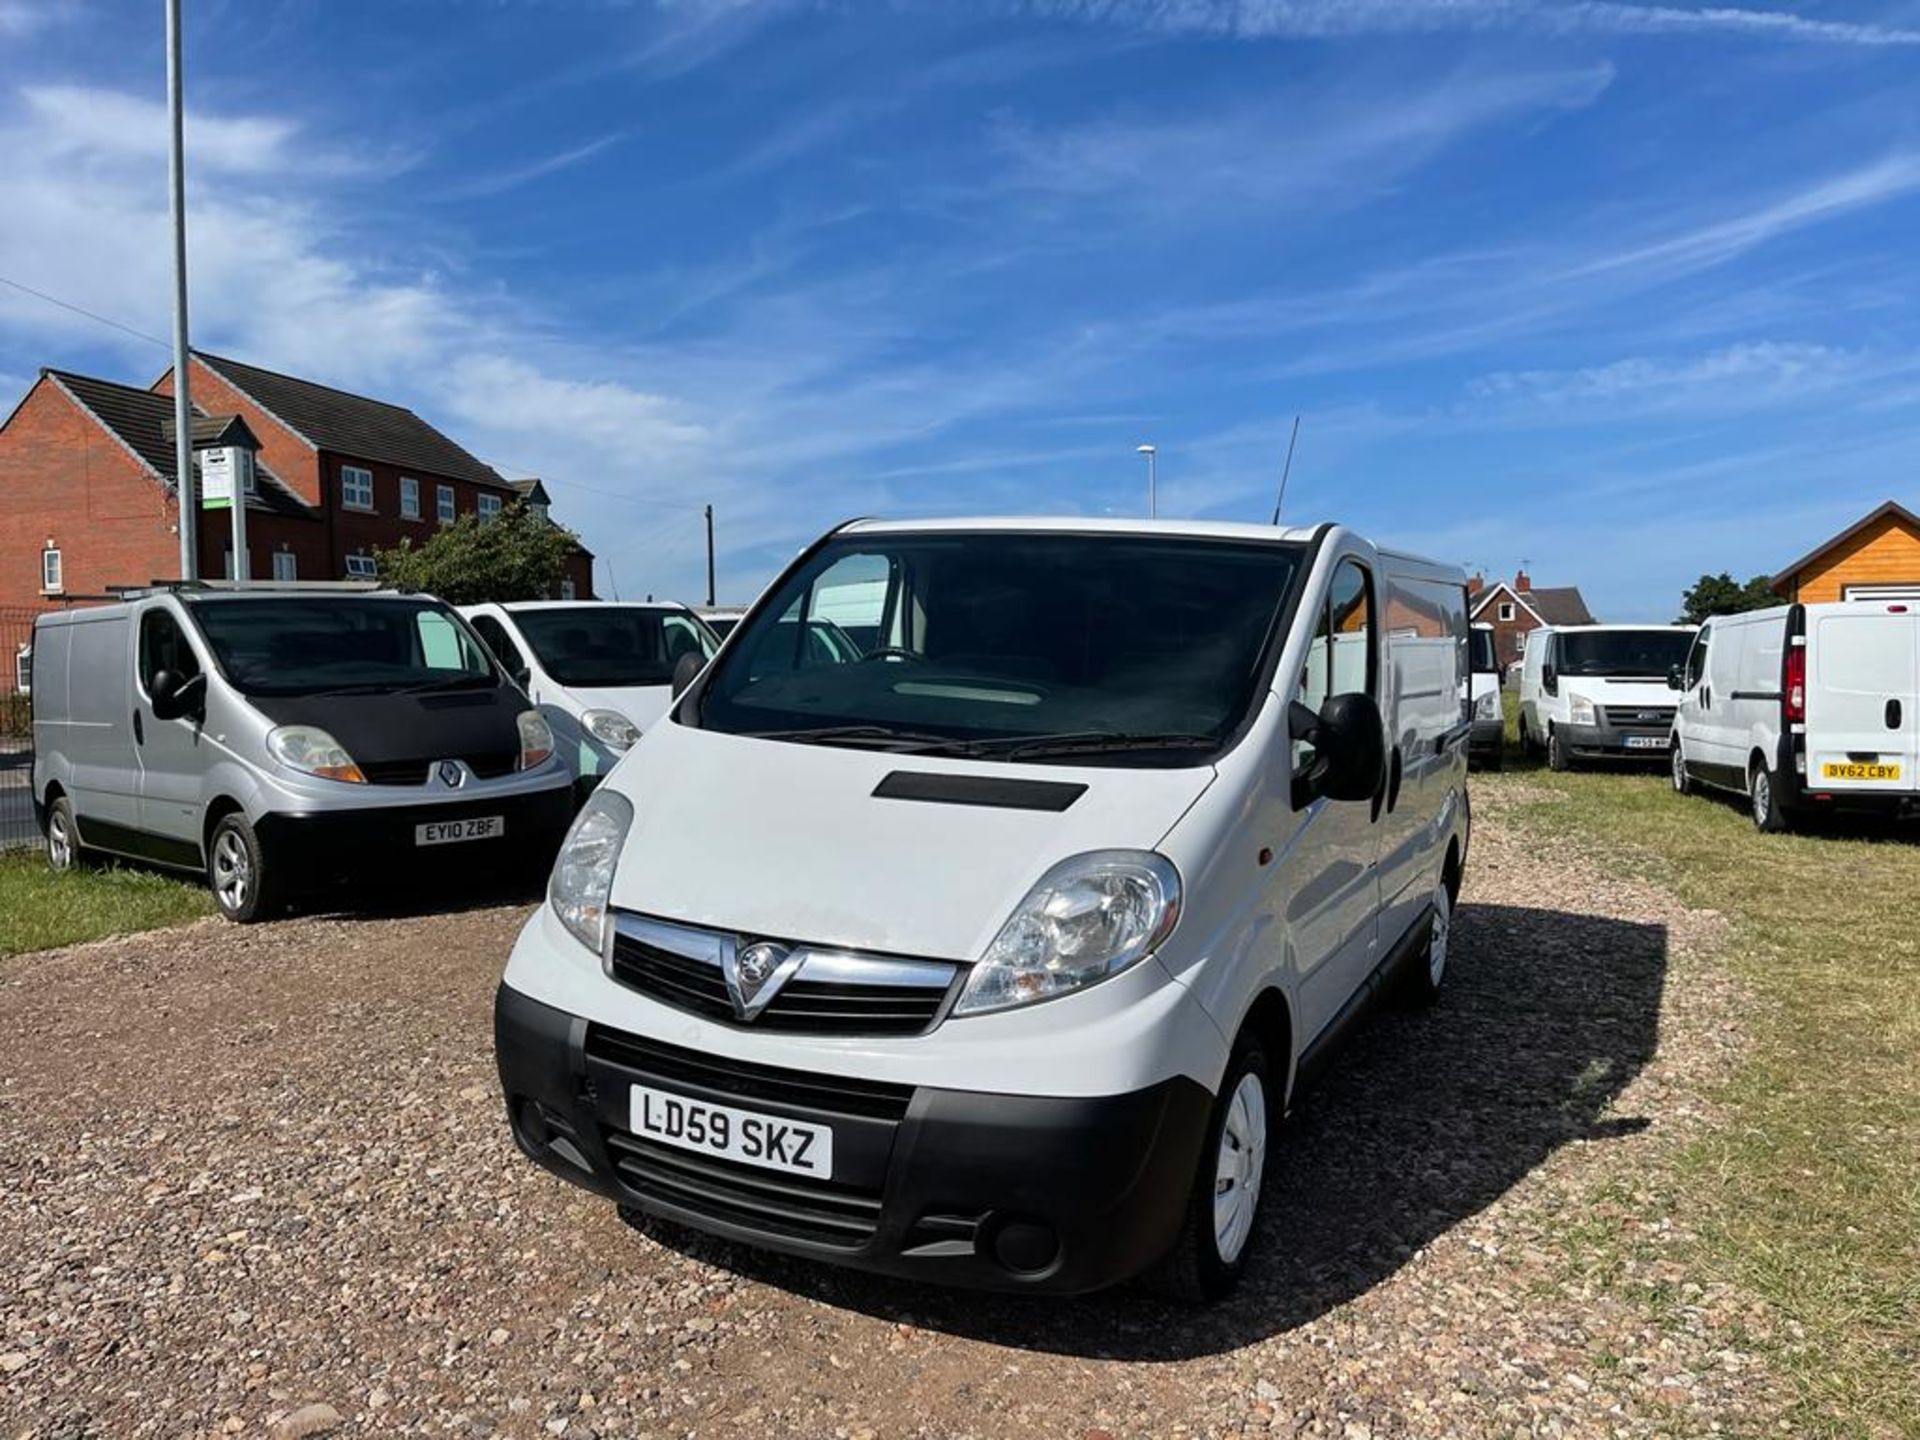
(516, 555)
(1723, 595)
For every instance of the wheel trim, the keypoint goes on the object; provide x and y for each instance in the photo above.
(59, 840)
(1238, 1168)
(232, 871)
(1679, 769)
(1762, 797)
(1438, 936)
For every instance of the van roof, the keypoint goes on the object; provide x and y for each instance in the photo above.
(1592, 629)
(1084, 525)
(515, 606)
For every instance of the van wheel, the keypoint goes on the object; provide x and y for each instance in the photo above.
(1764, 802)
(1217, 1233)
(1682, 782)
(244, 887)
(64, 850)
(1557, 756)
(1426, 974)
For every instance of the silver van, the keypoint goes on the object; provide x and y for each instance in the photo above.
(277, 741)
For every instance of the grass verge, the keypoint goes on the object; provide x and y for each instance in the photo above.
(1809, 1195)
(40, 910)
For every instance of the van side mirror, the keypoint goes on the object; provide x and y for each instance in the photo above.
(174, 698)
(1349, 749)
(686, 670)
(1676, 679)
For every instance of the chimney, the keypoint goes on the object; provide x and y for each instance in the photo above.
(1523, 582)
(1475, 584)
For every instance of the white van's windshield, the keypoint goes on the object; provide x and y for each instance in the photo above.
(1480, 652)
(1623, 652)
(612, 645)
(1145, 648)
(338, 645)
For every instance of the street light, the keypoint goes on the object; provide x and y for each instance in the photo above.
(1150, 452)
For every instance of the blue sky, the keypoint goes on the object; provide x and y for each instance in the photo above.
(1624, 290)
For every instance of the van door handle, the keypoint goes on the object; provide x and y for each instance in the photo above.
(1893, 714)
(139, 735)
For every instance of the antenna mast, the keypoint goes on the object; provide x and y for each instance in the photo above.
(1285, 471)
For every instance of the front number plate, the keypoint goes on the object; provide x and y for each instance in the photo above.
(1857, 770)
(451, 832)
(753, 1139)
(1646, 742)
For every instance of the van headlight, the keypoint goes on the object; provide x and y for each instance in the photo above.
(1487, 706)
(611, 728)
(583, 873)
(1089, 917)
(1579, 710)
(312, 751)
(536, 740)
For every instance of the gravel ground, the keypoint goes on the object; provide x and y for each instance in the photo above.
(257, 1182)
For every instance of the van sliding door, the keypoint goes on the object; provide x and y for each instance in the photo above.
(1863, 702)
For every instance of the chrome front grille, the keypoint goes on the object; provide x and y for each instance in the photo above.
(826, 992)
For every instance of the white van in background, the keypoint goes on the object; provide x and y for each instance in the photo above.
(1053, 866)
(1488, 745)
(1599, 692)
(600, 671)
(1804, 708)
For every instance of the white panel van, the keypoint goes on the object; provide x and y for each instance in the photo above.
(1059, 852)
(1599, 692)
(1488, 746)
(1803, 708)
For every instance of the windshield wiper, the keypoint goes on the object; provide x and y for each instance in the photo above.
(878, 737)
(1105, 742)
(448, 682)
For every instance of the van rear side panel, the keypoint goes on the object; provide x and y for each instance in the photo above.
(1863, 699)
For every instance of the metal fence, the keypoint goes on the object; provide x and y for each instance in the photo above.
(17, 825)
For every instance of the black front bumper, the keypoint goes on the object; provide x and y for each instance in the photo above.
(333, 846)
(1486, 740)
(1000, 1192)
(1610, 742)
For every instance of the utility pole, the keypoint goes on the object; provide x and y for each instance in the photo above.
(1151, 452)
(710, 555)
(184, 489)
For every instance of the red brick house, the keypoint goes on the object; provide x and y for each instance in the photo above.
(1516, 608)
(87, 482)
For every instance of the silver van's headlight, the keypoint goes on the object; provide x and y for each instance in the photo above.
(312, 751)
(1089, 917)
(611, 728)
(583, 873)
(536, 739)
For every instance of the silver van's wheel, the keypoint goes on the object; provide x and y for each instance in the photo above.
(1424, 976)
(1681, 783)
(63, 842)
(1768, 816)
(1223, 1208)
(1238, 1167)
(244, 886)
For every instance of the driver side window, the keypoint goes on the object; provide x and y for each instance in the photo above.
(1697, 660)
(1340, 658)
(163, 647)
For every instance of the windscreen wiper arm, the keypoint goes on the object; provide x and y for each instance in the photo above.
(879, 737)
(1106, 742)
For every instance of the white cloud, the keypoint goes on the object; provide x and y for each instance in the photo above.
(1332, 19)
(79, 120)
(1750, 374)
(512, 178)
(19, 18)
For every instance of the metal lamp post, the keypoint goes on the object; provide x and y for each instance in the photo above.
(184, 489)
(1151, 453)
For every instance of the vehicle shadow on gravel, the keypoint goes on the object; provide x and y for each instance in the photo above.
(444, 892)
(1423, 1121)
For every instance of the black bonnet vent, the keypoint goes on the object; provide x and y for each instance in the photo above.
(996, 792)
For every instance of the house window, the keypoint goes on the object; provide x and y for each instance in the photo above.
(286, 566)
(567, 592)
(356, 488)
(23, 670)
(489, 506)
(1506, 612)
(52, 571)
(443, 499)
(409, 498)
(361, 567)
